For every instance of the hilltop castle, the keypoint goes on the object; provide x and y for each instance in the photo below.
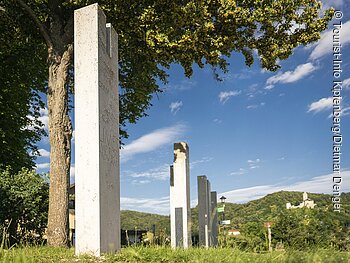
(307, 202)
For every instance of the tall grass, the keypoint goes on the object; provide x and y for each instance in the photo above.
(166, 254)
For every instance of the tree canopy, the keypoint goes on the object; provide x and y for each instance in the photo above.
(152, 36)
(23, 72)
(160, 33)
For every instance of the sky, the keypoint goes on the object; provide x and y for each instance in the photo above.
(252, 134)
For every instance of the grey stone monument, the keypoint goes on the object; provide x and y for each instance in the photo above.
(204, 211)
(180, 211)
(214, 220)
(97, 181)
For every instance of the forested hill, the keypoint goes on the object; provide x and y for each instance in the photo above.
(254, 211)
(263, 208)
(144, 221)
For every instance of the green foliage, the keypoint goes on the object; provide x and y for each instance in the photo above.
(295, 228)
(166, 254)
(252, 238)
(160, 33)
(263, 209)
(144, 221)
(23, 206)
(22, 76)
(306, 228)
(155, 34)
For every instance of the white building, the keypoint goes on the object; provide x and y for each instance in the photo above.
(307, 202)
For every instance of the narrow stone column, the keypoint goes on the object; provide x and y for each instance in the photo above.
(97, 181)
(180, 211)
(204, 211)
(214, 219)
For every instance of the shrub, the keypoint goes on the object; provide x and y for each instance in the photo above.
(24, 205)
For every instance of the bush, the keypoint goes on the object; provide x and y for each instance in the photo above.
(24, 206)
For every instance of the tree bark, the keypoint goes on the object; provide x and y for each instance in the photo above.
(60, 133)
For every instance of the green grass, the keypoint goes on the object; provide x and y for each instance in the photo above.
(166, 254)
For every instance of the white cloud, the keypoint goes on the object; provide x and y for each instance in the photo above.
(152, 141)
(73, 136)
(202, 160)
(253, 164)
(137, 182)
(321, 105)
(43, 118)
(346, 83)
(300, 71)
(175, 106)
(241, 171)
(324, 45)
(218, 121)
(269, 87)
(72, 174)
(44, 153)
(343, 112)
(254, 106)
(184, 84)
(319, 184)
(254, 90)
(149, 205)
(41, 166)
(72, 170)
(251, 107)
(226, 95)
(331, 3)
(159, 173)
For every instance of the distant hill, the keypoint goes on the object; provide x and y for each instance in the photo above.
(259, 210)
(144, 221)
(254, 211)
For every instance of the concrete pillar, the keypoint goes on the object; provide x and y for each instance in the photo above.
(214, 220)
(204, 212)
(97, 180)
(209, 213)
(180, 211)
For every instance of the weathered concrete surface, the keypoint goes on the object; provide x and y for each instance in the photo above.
(97, 178)
(180, 197)
(214, 219)
(204, 212)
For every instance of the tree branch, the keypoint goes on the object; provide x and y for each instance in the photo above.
(41, 27)
(68, 29)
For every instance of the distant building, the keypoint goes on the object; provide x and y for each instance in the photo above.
(307, 202)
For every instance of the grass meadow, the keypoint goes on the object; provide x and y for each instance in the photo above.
(166, 254)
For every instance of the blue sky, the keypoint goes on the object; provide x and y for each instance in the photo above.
(254, 133)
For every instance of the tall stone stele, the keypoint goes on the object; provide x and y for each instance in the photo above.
(214, 220)
(97, 181)
(207, 213)
(180, 211)
(204, 211)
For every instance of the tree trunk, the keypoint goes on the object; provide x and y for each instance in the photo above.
(60, 133)
(12, 231)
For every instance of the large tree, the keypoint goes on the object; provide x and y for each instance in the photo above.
(23, 73)
(152, 36)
